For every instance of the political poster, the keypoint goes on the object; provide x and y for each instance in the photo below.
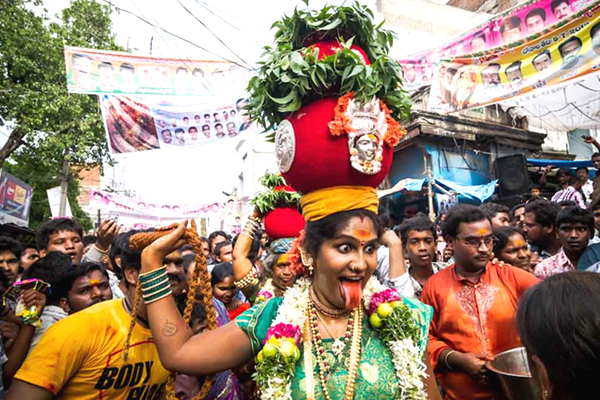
(135, 124)
(112, 72)
(554, 58)
(118, 204)
(510, 29)
(15, 200)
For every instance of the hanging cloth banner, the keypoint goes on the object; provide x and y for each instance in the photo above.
(135, 124)
(507, 30)
(112, 72)
(555, 58)
(118, 204)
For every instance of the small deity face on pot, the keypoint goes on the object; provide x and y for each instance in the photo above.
(366, 145)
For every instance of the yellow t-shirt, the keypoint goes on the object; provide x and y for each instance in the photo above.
(80, 357)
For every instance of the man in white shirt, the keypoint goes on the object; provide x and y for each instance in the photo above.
(588, 185)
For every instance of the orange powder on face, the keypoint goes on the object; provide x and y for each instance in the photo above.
(362, 234)
(520, 242)
(482, 231)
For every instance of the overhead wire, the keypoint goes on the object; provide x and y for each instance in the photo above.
(214, 34)
(173, 34)
(172, 49)
(204, 5)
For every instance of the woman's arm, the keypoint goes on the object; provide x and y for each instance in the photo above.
(431, 386)
(178, 349)
(241, 264)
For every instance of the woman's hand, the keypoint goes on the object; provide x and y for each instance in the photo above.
(154, 255)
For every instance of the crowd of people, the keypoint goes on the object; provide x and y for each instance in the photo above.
(474, 266)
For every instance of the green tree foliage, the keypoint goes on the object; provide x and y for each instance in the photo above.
(45, 124)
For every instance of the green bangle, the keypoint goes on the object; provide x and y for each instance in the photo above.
(146, 291)
(149, 284)
(152, 274)
(158, 296)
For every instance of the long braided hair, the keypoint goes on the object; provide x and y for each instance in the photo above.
(200, 278)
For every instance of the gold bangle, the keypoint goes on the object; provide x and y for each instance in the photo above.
(258, 220)
(251, 278)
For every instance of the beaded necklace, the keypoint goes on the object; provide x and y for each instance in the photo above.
(315, 340)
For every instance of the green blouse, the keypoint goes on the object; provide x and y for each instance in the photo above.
(376, 379)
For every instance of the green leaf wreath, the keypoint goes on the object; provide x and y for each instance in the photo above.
(291, 74)
(271, 199)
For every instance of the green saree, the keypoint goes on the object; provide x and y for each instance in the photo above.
(376, 378)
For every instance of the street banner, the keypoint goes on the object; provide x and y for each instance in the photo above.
(135, 124)
(528, 21)
(118, 204)
(551, 59)
(15, 200)
(112, 72)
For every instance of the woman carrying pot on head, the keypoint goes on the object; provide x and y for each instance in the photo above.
(348, 357)
(337, 333)
(283, 223)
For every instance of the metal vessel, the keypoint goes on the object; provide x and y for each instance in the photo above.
(517, 379)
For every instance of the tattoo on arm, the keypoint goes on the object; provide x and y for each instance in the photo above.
(169, 329)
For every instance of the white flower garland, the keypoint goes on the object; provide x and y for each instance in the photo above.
(273, 369)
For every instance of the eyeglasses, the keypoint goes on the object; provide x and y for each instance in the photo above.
(475, 242)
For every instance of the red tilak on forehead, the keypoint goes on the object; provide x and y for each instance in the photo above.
(362, 235)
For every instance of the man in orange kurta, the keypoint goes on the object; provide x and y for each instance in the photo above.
(475, 303)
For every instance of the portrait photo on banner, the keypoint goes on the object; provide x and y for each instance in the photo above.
(506, 30)
(554, 58)
(135, 124)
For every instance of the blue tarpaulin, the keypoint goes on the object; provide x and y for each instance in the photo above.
(470, 193)
(560, 163)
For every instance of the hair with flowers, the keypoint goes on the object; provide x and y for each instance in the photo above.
(294, 257)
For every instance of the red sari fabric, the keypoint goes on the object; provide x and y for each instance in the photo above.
(473, 318)
(233, 314)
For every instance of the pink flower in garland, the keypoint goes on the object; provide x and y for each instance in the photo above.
(385, 296)
(283, 330)
(266, 294)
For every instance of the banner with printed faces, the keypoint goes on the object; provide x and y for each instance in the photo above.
(112, 72)
(118, 204)
(552, 59)
(135, 124)
(528, 21)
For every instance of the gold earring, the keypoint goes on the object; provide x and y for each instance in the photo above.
(307, 261)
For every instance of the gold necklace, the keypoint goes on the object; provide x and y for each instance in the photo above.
(323, 309)
(355, 350)
(339, 343)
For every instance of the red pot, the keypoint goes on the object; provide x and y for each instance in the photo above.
(284, 222)
(322, 160)
(330, 47)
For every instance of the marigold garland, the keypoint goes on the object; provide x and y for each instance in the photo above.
(394, 131)
(341, 124)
